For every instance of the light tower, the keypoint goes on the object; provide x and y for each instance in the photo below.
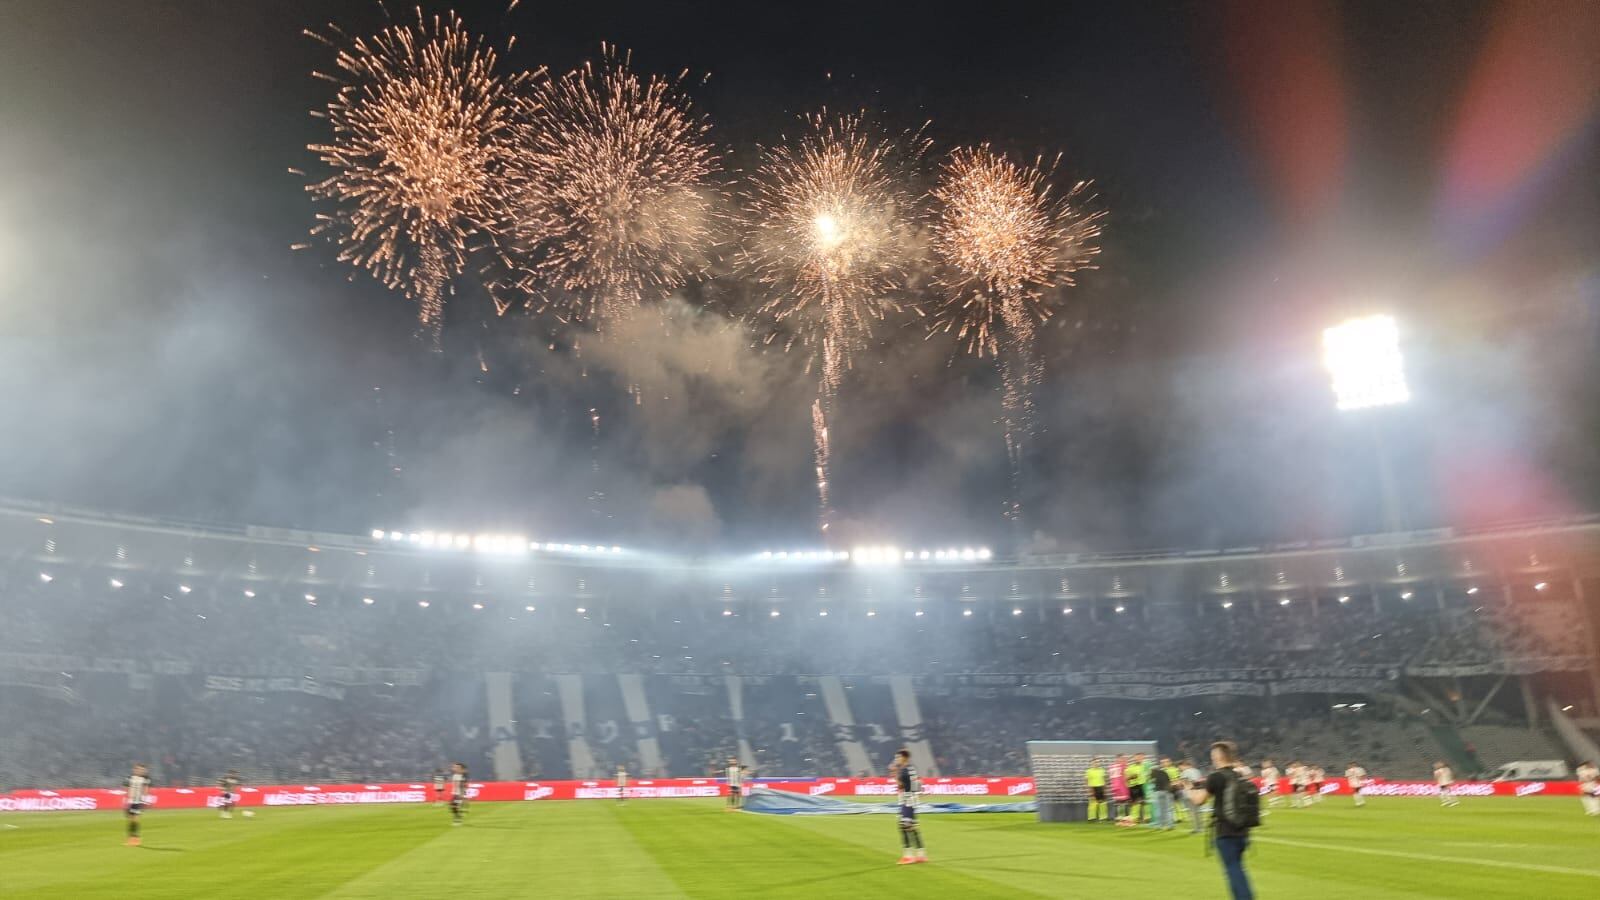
(1367, 369)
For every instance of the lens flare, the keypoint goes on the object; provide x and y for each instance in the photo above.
(614, 202)
(420, 128)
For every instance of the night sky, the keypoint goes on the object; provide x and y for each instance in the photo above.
(1268, 169)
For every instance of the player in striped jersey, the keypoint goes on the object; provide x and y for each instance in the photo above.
(905, 776)
(459, 785)
(138, 786)
(735, 774)
(229, 784)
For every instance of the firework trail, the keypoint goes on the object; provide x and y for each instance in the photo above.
(1007, 239)
(828, 223)
(420, 138)
(613, 198)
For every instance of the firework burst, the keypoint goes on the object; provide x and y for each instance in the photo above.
(420, 128)
(614, 201)
(828, 225)
(1007, 239)
(828, 236)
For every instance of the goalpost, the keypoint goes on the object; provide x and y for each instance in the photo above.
(1058, 768)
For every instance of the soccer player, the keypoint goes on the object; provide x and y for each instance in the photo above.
(1160, 784)
(459, 784)
(622, 782)
(1446, 780)
(1269, 782)
(438, 786)
(1299, 780)
(1193, 780)
(1319, 775)
(1119, 787)
(138, 785)
(1095, 778)
(735, 774)
(1589, 788)
(911, 846)
(1136, 775)
(1357, 777)
(229, 784)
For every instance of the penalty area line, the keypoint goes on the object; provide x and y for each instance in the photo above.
(1431, 857)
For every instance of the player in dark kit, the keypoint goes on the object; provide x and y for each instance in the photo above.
(138, 785)
(229, 785)
(911, 848)
(438, 786)
(459, 782)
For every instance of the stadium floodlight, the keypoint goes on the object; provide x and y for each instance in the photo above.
(1066, 610)
(1016, 612)
(1283, 601)
(529, 609)
(1472, 590)
(478, 606)
(1540, 586)
(966, 612)
(1121, 608)
(1344, 598)
(1405, 595)
(311, 598)
(969, 554)
(249, 594)
(367, 600)
(1363, 359)
(1227, 604)
(985, 553)
(182, 588)
(46, 577)
(823, 614)
(774, 614)
(116, 583)
(872, 614)
(377, 534)
(413, 537)
(396, 536)
(918, 613)
(923, 555)
(422, 603)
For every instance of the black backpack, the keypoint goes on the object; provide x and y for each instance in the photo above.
(1240, 803)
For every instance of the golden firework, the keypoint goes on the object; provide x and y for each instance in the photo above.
(828, 224)
(420, 128)
(1006, 238)
(613, 195)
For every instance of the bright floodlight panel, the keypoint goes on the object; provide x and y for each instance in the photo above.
(1363, 357)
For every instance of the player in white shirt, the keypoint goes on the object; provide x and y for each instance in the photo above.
(1446, 780)
(1269, 782)
(138, 797)
(1357, 777)
(1589, 787)
(735, 775)
(1318, 776)
(1299, 782)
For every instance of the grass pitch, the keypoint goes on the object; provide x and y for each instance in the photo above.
(1394, 848)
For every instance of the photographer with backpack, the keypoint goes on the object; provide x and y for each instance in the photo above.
(1235, 809)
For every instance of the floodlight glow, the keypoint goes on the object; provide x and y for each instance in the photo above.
(923, 555)
(985, 553)
(1227, 604)
(422, 603)
(311, 598)
(1405, 595)
(46, 577)
(783, 554)
(1283, 601)
(1472, 590)
(939, 555)
(184, 588)
(427, 539)
(1121, 608)
(1540, 586)
(616, 549)
(823, 614)
(872, 613)
(1066, 610)
(116, 583)
(774, 614)
(966, 612)
(1363, 359)
(969, 554)
(462, 541)
(249, 593)
(395, 536)
(413, 537)
(377, 534)
(367, 600)
(528, 608)
(477, 606)
(582, 610)
(1016, 612)
(1345, 598)
(842, 555)
(918, 613)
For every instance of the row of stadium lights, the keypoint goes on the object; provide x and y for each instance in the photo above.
(117, 583)
(879, 556)
(484, 543)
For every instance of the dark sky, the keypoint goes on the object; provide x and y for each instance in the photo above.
(1268, 168)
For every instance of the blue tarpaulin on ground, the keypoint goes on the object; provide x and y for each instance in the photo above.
(786, 803)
